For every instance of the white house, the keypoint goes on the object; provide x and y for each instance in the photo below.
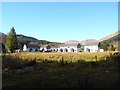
(25, 48)
(54, 48)
(75, 47)
(101, 50)
(30, 48)
(45, 48)
(87, 46)
(92, 46)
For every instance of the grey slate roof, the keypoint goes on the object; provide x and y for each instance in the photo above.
(32, 46)
(43, 46)
(88, 43)
(72, 44)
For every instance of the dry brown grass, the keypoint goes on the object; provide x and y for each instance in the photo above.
(74, 57)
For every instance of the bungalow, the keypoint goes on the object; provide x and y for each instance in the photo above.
(25, 48)
(87, 46)
(92, 46)
(54, 48)
(30, 48)
(75, 47)
(45, 48)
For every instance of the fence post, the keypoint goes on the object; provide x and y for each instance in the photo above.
(96, 58)
(62, 61)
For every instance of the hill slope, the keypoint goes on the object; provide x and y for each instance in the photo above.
(27, 39)
(112, 38)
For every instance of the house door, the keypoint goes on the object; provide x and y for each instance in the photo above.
(61, 50)
(72, 50)
(87, 50)
(65, 50)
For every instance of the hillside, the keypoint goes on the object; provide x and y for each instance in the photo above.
(27, 39)
(21, 37)
(112, 38)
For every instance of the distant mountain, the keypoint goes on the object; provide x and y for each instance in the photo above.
(27, 39)
(71, 41)
(113, 38)
(82, 42)
(89, 41)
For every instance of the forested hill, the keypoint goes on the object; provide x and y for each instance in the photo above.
(22, 39)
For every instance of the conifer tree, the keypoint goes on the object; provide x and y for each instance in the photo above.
(12, 42)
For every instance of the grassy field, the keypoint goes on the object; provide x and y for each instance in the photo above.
(74, 57)
(59, 70)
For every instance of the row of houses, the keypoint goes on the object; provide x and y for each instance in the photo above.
(74, 47)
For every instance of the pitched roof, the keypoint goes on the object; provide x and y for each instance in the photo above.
(72, 44)
(32, 46)
(54, 46)
(90, 43)
(44, 46)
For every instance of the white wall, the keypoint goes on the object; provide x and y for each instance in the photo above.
(92, 48)
(101, 50)
(68, 48)
(41, 48)
(25, 48)
(79, 49)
